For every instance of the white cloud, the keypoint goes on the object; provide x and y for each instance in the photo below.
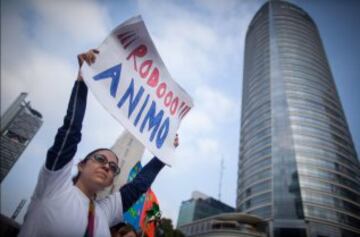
(42, 76)
(215, 8)
(197, 121)
(79, 19)
(216, 104)
(212, 111)
(208, 146)
(184, 41)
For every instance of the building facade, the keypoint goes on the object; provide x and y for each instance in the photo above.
(19, 124)
(298, 167)
(233, 224)
(200, 206)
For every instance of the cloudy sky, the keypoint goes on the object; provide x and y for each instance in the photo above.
(201, 43)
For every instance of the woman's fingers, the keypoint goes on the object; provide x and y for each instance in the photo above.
(89, 57)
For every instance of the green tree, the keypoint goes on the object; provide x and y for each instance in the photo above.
(166, 229)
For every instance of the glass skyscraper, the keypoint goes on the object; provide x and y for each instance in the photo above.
(19, 124)
(298, 167)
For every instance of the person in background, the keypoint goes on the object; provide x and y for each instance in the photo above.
(123, 230)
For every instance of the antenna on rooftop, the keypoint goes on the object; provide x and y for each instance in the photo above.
(221, 176)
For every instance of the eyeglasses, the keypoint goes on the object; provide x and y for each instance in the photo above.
(101, 159)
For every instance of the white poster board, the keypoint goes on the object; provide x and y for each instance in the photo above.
(131, 81)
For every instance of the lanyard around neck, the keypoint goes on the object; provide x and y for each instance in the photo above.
(91, 220)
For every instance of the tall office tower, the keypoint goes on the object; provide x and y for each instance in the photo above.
(297, 167)
(19, 124)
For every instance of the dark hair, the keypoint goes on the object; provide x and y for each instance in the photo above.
(83, 161)
(122, 229)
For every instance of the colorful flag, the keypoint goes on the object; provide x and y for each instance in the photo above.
(145, 212)
(150, 214)
(132, 216)
(134, 171)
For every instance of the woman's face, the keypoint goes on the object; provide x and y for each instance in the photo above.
(96, 172)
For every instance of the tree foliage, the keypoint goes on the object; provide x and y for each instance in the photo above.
(166, 229)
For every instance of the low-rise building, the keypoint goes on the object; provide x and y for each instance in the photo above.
(235, 224)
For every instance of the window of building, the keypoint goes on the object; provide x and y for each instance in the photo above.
(15, 137)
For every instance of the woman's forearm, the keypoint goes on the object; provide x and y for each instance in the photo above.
(132, 191)
(69, 134)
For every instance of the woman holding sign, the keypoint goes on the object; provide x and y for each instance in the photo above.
(62, 206)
